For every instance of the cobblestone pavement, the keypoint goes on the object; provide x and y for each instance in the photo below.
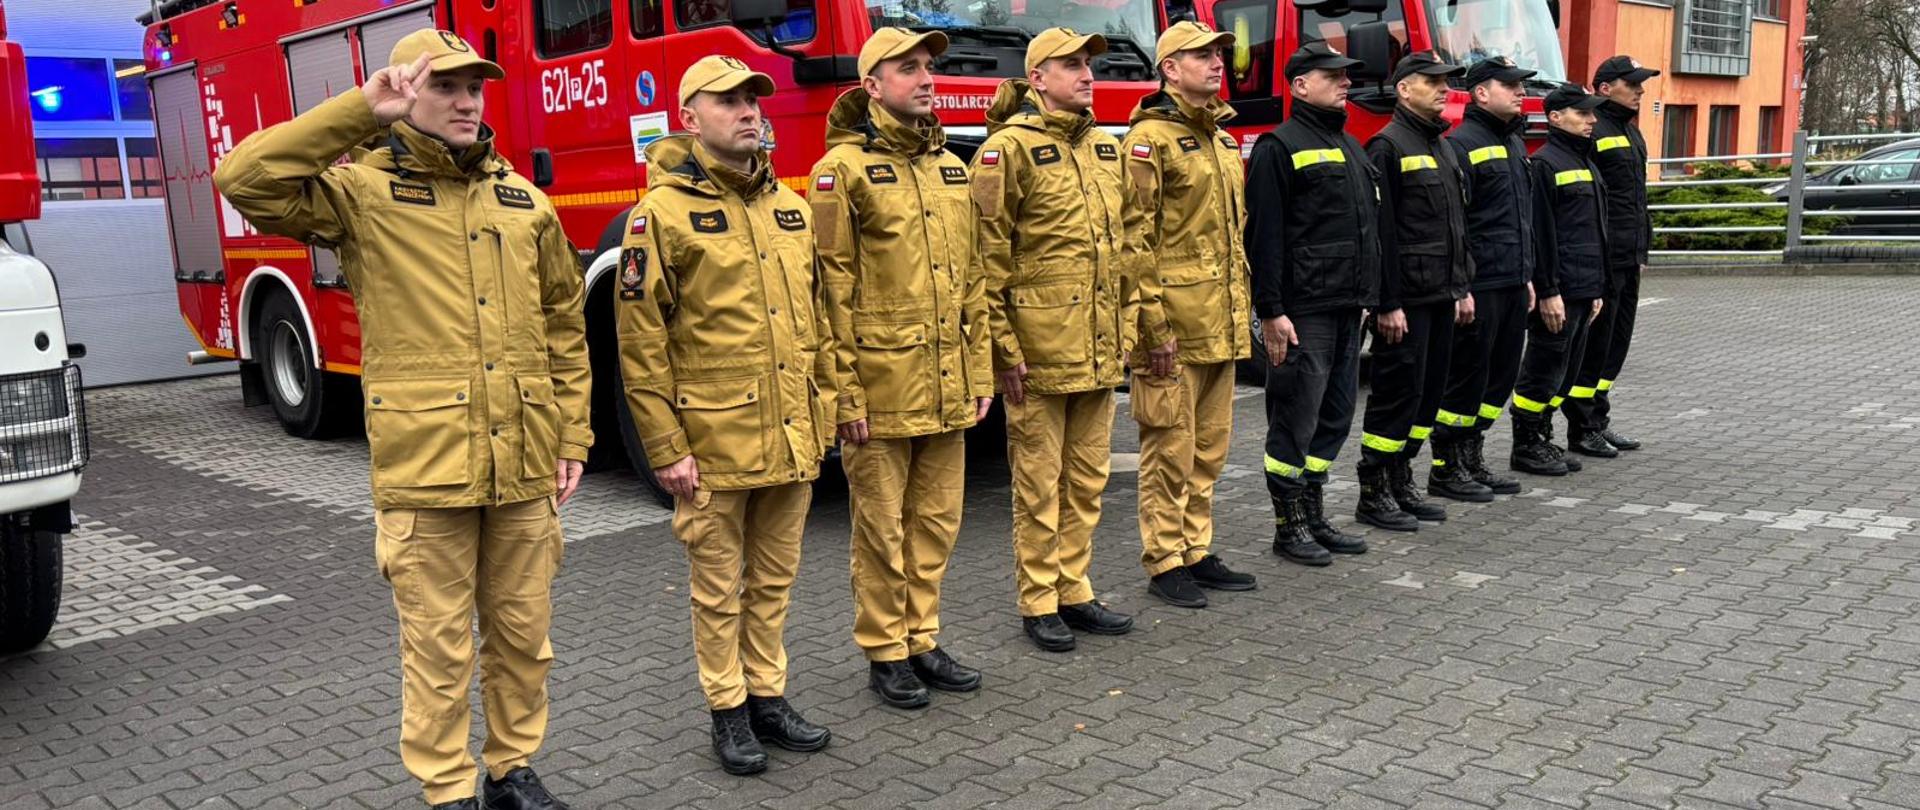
(1726, 619)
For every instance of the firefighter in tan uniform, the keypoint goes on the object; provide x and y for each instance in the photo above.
(1049, 188)
(728, 362)
(896, 233)
(1184, 229)
(474, 364)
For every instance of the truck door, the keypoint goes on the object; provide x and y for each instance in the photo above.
(651, 113)
(577, 94)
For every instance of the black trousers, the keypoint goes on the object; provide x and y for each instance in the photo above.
(1310, 399)
(1587, 405)
(1486, 360)
(1406, 383)
(1552, 361)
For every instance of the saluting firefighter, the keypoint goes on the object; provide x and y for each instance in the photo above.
(1426, 273)
(727, 360)
(1313, 236)
(1048, 186)
(1570, 240)
(474, 366)
(896, 232)
(1620, 152)
(1486, 350)
(1185, 215)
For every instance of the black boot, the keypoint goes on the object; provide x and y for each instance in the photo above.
(1531, 451)
(1400, 483)
(1210, 572)
(1471, 449)
(1448, 475)
(1048, 632)
(938, 669)
(1377, 506)
(1093, 617)
(733, 742)
(1291, 539)
(896, 684)
(1559, 453)
(1619, 441)
(1175, 586)
(1590, 443)
(775, 721)
(1324, 533)
(520, 789)
(457, 804)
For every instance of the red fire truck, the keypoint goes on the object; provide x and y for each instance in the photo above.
(589, 84)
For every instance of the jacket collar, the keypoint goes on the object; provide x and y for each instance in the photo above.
(856, 120)
(410, 151)
(1017, 104)
(1331, 121)
(1579, 146)
(679, 161)
(1617, 112)
(1427, 128)
(1163, 105)
(1492, 122)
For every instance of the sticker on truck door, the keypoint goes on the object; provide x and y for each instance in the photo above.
(646, 129)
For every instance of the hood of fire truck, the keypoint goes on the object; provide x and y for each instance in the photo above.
(856, 120)
(1015, 104)
(408, 149)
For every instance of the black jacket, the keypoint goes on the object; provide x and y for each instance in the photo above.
(1311, 217)
(1621, 154)
(1499, 198)
(1570, 227)
(1423, 247)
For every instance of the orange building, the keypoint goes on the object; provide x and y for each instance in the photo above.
(1730, 69)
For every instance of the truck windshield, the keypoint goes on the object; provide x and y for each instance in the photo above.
(1467, 31)
(1128, 25)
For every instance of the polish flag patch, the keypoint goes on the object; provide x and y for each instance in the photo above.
(991, 157)
(825, 183)
(1143, 151)
(639, 226)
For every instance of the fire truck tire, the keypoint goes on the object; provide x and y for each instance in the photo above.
(29, 584)
(310, 403)
(603, 352)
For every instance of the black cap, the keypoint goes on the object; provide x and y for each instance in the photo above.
(1496, 69)
(1622, 67)
(1572, 95)
(1317, 56)
(1426, 62)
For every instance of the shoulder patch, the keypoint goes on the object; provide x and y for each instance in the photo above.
(708, 221)
(638, 227)
(789, 219)
(990, 157)
(406, 193)
(881, 173)
(1188, 143)
(1044, 154)
(1106, 151)
(1142, 151)
(954, 175)
(824, 182)
(633, 271)
(1227, 141)
(513, 197)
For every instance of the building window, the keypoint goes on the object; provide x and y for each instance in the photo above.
(1723, 130)
(572, 26)
(130, 80)
(1712, 37)
(1677, 139)
(1768, 9)
(79, 168)
(64, 89)
(1771, 137)
(144, 174)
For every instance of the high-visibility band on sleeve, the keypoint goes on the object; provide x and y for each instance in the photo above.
(1420, 432)
(1580, 392)
(1451, 419)
(1486, 153)
(1528, 405)
(1281, 468)
(1414, 163)
(1605, 385)
(1572, 176)
(1439, 462)
(1319, 465)
(1614, 142)
(1555, 402)
(1380, 443)
(1308, 157)
(1489, 411)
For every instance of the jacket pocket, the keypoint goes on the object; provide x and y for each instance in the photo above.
(1423, 267)
(539, 427)
(1052, 322)
(1157, 401)
(894, 366)
(1194, 298)
(1324, 270)
(1422, 203)
(724, 423)
(1495, 254)
(1581, 266)
(419, 432)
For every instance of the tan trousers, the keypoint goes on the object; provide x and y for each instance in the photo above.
(1186, 422)
(906, 499)
(743, 549)
(1057, 447)
(445, 565)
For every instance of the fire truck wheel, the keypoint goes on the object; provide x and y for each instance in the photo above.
(29, 584)
(309, 402)
(629, 436)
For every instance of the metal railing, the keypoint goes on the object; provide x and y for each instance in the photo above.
(1793, 193)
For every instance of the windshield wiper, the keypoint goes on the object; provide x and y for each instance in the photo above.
(1128, 44)
(987, 34)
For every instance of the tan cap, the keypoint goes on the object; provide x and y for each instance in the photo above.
(890, 42)
(1057, 42)
(718, 74)
(445, 50)
(1188, 35)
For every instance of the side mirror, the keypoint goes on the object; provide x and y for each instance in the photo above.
(755, 15)
(1848, 179)
(1371, 43)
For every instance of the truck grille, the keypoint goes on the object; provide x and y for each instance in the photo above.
(43, 424)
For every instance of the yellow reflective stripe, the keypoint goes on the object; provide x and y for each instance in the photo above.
(1451, 419)
(1489, 411)
(1572, 176)
(1420, 433)
(1486, 153)
(1308, 157)
(1581, 392)
(1380, 443)
(1605, 385)
(1319, 464)
(1439, 463)
(1414, 163)
(1278, 467)
(1615, 142)
(1555, 402)
(1528, 405)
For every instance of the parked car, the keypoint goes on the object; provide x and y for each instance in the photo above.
(1869, 187)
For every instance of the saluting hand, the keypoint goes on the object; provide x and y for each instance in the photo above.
(391, 91)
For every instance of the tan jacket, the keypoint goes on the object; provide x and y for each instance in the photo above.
(473, 342)
(724, 350)
(1060, 294)
(1186, 227)
(897, 233)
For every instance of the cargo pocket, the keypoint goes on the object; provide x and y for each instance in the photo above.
(1051, 322)
(1423, 266)
(419, 432)
(539, 427)
(1194, 300)
(392, 527)
(1157, 401)
(724, 424)
(1493, 251)
(893, 366)
(1318, 270)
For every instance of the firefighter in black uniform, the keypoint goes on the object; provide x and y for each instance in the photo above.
(1621, 154)
(1570, 240)
(1311, 235)
(1486, 350)
(1425, 273)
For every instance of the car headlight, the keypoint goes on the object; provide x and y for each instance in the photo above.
(43, 428)
(37, 398)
